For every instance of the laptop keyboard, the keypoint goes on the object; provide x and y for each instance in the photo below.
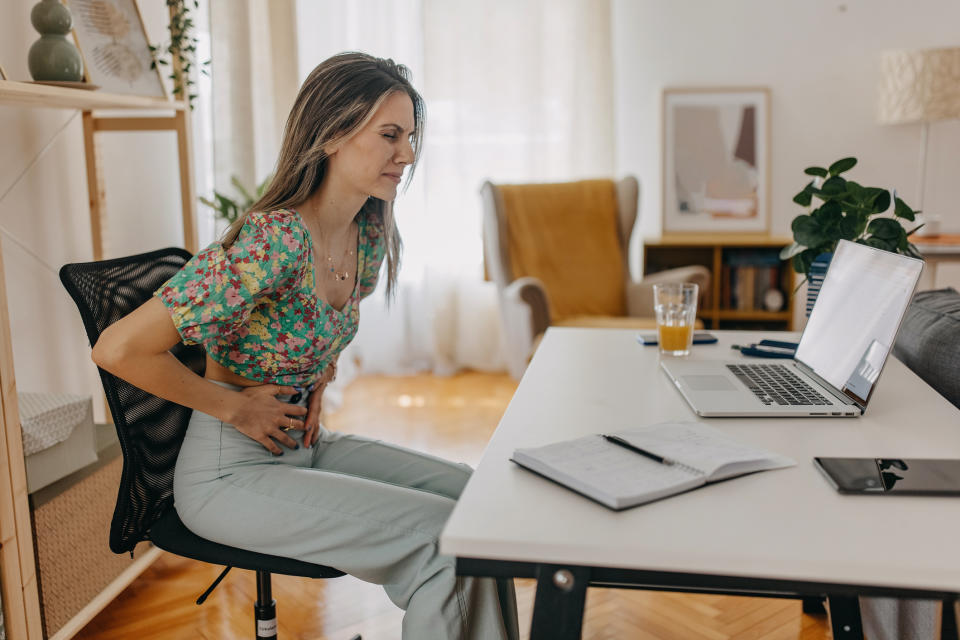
(775, 383)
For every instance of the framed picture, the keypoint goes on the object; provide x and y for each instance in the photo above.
(116, 56)
(716, 160)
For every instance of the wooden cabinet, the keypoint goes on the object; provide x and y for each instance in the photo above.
(751, 287)
(18, 570)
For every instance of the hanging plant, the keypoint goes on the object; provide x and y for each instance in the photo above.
(181, 48)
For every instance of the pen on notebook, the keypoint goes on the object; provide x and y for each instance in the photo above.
(620, 442)
(762, 347)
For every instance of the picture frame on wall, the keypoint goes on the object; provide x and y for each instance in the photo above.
(716, 160)
(116, 54)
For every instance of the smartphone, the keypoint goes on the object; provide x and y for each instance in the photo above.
(699, 337)
(891, 476)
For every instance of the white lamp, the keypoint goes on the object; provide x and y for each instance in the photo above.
(920, 86)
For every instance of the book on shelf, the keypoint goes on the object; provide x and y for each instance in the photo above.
(746, 278)
(650, 463)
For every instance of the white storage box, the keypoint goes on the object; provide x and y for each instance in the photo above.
(58, 435)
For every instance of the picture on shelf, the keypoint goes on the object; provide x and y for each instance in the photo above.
(716, 153)
(112, 39)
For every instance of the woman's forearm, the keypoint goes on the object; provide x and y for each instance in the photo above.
(166, 377)
(136, 349)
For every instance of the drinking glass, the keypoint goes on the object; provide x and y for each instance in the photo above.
(676, 308)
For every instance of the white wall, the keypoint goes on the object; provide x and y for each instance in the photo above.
(44, 213)
(820, 60)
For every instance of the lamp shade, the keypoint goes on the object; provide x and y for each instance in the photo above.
(919, 86)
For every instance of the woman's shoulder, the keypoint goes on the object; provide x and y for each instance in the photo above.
(374, 229)
(274, 237)
(280, 225)
(277, 219)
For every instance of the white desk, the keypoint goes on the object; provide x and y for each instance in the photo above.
(783, 532)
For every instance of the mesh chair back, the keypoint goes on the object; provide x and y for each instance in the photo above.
(149, 428)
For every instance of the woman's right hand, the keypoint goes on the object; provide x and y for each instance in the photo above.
(262, 417)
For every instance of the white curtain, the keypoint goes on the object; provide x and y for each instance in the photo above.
(516, 91)
(254, 83)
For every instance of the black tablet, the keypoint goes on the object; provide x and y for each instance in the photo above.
(892, 476)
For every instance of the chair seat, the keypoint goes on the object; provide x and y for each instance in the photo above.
(170, 534)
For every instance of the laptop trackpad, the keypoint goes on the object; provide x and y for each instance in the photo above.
(708, 383)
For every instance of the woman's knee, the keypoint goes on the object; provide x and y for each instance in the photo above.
(459, 475)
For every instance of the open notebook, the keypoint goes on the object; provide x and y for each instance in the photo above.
(619, 478)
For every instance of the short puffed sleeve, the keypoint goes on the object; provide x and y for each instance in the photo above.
(213, 295)
(375, 248)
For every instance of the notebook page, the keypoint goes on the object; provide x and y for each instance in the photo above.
(592, 465)
(710, 450)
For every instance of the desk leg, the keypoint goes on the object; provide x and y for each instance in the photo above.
(558, 606)
(813, 605)
(845, 617)
(948, 620)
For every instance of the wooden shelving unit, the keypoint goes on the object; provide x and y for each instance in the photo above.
(36, 96)
(18, 572)
(32, 94)
(713, 252)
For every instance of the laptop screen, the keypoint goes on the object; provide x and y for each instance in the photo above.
(854, 322)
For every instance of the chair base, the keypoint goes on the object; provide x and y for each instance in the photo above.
(265, 609)
(170, 534)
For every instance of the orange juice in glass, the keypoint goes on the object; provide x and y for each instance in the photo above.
(676, 309)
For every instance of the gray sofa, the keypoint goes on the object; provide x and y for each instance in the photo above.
(928, 343)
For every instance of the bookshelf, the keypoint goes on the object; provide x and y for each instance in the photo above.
(19, 580)
(748, 277)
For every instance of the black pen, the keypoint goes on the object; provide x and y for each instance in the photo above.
(763, 347)
(626, 445)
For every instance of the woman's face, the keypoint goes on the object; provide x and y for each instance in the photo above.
(372, 161)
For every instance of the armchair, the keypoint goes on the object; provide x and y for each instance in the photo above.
(558, 255)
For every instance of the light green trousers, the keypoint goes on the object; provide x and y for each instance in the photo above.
(366, 507)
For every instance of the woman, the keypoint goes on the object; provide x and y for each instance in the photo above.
(274, 304)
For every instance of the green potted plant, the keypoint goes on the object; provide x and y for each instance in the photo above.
(847, 211)
(228, 208)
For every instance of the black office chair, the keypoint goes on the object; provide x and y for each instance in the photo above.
(151, 431)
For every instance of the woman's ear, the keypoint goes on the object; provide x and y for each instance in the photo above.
(331, 149)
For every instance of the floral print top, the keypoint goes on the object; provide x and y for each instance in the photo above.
(254, 306)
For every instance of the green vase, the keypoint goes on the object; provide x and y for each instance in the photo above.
(53, 57)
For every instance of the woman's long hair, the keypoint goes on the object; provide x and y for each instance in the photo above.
(336, 100)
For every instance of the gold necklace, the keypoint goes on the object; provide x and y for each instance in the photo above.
(338, 275)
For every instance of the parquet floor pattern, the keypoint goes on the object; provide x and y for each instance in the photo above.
(451, 417)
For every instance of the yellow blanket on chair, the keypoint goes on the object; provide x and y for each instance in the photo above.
(567, 236)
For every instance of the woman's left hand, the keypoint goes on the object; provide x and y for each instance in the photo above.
(314, 406)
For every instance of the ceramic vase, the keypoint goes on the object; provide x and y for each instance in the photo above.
(53, 57)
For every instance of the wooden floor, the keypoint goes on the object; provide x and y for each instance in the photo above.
(451, 417)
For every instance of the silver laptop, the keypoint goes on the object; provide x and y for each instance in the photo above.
(844, 346)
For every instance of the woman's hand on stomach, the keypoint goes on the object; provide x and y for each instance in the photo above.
(261, 417)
